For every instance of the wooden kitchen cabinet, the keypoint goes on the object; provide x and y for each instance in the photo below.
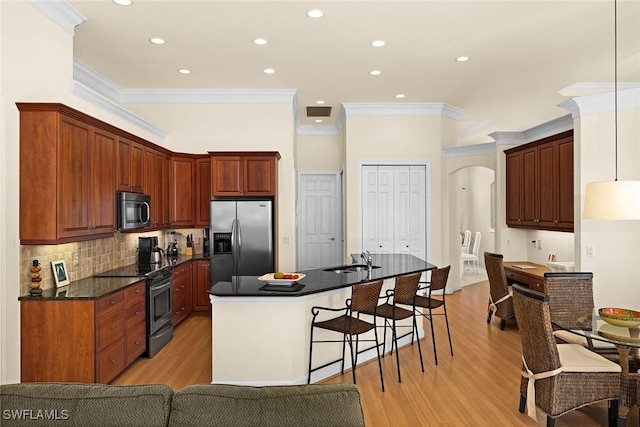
(201, 285)
(82, 340)
(532, 275)
(182, 201)
(156, 185)
(67, 176)
(129, 166)
(203, 191)
(244, 173)
(182, 299)
(539, 184)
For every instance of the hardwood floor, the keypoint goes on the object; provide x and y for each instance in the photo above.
(478, 386)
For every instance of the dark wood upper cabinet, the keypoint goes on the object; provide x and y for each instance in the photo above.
(130, 165)
(67, 176)
(203, 191)
(244, 173)
(540, 184)
(182, 200)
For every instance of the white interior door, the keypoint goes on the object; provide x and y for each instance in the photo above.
(394, 209)
(320, 223)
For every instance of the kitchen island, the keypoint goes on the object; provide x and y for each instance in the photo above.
(260, 332)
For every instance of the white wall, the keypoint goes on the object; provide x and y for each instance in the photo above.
(319, 153)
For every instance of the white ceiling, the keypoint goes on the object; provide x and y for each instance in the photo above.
(523, 53)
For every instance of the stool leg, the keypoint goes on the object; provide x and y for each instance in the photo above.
(375, 332)
(310, 353)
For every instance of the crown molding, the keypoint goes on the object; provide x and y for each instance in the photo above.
(98, 99)
(552, 127)
(96, 81)
(475, 127)
(592, 88)
(60, 12)
(470, 150)
(401, 109)
(628, 99)
(207, 96)
(317, 130)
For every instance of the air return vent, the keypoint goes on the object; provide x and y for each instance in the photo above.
(318, 111)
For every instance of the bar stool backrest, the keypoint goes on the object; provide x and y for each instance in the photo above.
(406, 287)
(364, 296)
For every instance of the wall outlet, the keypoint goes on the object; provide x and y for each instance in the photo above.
(539, 244)
(591, 250)
(286, 239)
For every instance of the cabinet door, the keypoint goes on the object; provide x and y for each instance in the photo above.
(165, 190)
(370, 209)
(129, 166)
(514, 188)
(151, 177)
(226, 176)
(182, 191)
(401, 210)
(565, 193)
(102, 165)
(73, 178)
(547, 185)
(203, 191)
(201, 285)
(259, 175)
(529, 187)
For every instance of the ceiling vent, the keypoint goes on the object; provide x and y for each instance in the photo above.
(318, 111)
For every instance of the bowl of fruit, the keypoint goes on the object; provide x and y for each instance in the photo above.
(620, 317)
(280, 278)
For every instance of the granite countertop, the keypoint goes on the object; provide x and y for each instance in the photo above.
(319, 280)
(97, 287)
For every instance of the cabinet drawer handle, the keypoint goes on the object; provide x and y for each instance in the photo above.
(112, 327)
(137, 312)
(137, 291)
(112, 302)
(112, 361)
(137, 342)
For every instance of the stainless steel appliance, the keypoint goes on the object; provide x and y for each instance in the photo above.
(148, 250)
(133, 210)
(159, 302)
(241, 238)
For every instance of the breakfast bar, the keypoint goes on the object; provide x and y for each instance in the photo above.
(260, 330)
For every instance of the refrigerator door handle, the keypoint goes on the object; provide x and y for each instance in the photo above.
(234, 249)
(239, 230)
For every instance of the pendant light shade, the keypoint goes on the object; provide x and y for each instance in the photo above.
(612, 200)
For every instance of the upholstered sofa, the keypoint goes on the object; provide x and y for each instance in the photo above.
(74, 404)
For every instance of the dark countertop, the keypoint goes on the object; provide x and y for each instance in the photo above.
(318, 280)
(97, 287)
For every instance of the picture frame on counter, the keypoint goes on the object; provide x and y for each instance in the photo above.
(60, 273)
(62, 291)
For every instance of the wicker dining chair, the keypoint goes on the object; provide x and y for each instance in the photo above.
(500, 302)
(424, 305)
(364, 298)
(571, 305)
(558, 378)
(405, 289)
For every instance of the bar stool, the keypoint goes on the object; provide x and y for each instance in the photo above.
(438, 282)
(405, 289)
(364, 299)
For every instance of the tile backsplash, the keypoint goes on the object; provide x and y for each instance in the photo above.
(84, 259)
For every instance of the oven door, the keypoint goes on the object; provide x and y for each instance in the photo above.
(160, 304)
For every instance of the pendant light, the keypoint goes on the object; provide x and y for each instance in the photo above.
(613, 200)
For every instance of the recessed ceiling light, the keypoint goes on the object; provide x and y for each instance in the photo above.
(378, 43)
(123, 2)
(319, 102)
(269, 71)
(184, 71)
(260, 42)
(375, 72)
(463, 58)
(157, 40)
(315, 13)
(318, 120)
(400, 95)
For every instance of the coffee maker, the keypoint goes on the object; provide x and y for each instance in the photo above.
(148, 250)
(172, 244)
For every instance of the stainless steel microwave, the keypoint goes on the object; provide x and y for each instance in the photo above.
(133, 210)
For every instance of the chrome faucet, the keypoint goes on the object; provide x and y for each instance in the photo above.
(367, 258)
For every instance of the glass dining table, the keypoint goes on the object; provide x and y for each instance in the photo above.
(627, 342)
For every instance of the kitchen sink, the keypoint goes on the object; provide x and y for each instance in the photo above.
(350, 268)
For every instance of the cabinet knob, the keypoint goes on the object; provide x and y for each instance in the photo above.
(137, 342)
(137, 312)
(112, 302)
(112, 361)
(112, 327)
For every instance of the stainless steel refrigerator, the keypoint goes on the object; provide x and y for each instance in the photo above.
(241, 238)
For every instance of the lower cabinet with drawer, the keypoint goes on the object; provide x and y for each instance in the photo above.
(531, 276)
(82, 340)
(182, 299)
